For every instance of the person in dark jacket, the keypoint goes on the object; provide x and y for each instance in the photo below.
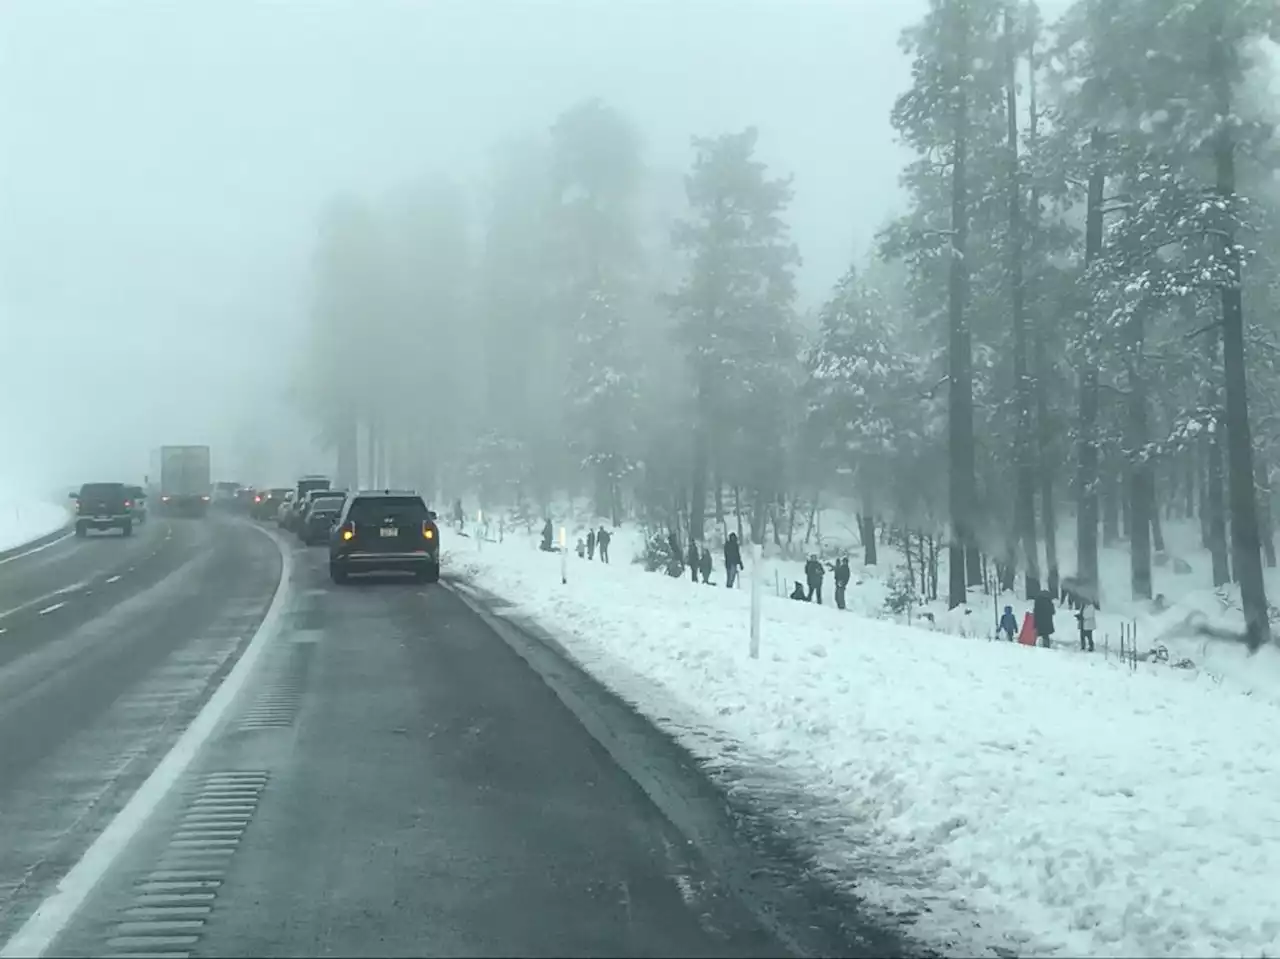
(732, 560)
(602, 543)
(692, 560)
(591, 544)
(843, 575)
(1042, 615)
(799, 593)
(547, 535)
(1009, 623)
(814, 573)
(705, 566)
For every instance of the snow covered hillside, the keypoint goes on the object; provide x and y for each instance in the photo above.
(24, 518)
(1003, 796)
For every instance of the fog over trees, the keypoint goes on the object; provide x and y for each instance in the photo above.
(1075, 322)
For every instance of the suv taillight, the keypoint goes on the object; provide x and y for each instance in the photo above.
(428, 530)
(347, 531)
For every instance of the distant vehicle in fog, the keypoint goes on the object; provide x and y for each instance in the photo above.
(385, 530)
(244, 499)
(285, 509)
(103, 506)
(185, 486)
(224, 493)
(305, 485)
(266, 502)
(138, 500)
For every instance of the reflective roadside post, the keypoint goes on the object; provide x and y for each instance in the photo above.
(757, 578)
(564, 557)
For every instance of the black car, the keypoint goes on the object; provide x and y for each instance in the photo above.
(323, 512)
(103, 506)
(266, 503)
(385, 531)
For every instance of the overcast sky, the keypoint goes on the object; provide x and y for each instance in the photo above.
(162, 165)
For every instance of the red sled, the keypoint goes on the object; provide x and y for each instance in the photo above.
(1028, 635)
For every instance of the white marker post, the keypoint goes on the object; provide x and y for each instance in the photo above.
(564, 557)
(757, 577)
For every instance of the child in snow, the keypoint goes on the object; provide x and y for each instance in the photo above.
(1009, 623)
(799, 593)
(1088, 617)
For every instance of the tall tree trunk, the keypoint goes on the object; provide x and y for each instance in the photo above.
(719, 500)
(1140, 502)
(1157, 526)
(1025, 509)
(1087, 441)
(348, 454)
(701, 465)
(1110, 491)
(1216, 507)
(960, 361)
(868, 531)
(1244, 514)
(1044, 425)
(1265, 520)
(1191, 471)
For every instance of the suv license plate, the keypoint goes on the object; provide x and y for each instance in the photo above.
(389, 531)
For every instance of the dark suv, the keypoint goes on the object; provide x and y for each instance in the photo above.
(103, 506)
(322, 510)
(385, 531)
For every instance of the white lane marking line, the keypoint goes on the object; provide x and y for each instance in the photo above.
(49, 609)
(53, 915)
(113, 579)
(38, 549)
(31, 603)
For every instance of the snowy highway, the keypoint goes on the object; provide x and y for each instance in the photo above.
(397, 776)
(108, 647)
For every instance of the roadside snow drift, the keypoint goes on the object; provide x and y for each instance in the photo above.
(1003, 796)
(23, 519)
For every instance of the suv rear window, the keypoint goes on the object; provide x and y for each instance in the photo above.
(331, 503)
(377, 509)
(102, 490)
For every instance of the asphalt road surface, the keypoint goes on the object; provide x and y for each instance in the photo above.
(108, 647)
(400, 778)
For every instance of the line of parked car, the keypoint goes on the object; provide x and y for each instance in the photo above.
(367, 531)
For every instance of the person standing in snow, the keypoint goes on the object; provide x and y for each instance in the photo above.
(1009, 623)
(582, 548)
(547, 535)
(591, 544)
(704, 566)
(732, 560)
(1088, 617)
(1042, 616)
(843, 575)
(814, 573)
(691, 559)
(602, 543)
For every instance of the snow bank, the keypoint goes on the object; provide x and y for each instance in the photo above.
(23, 519)
(1003, 796)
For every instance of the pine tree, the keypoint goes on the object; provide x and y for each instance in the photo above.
(734, 311)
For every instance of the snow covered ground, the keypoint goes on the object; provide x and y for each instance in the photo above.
(998, 795)
(24, 518)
